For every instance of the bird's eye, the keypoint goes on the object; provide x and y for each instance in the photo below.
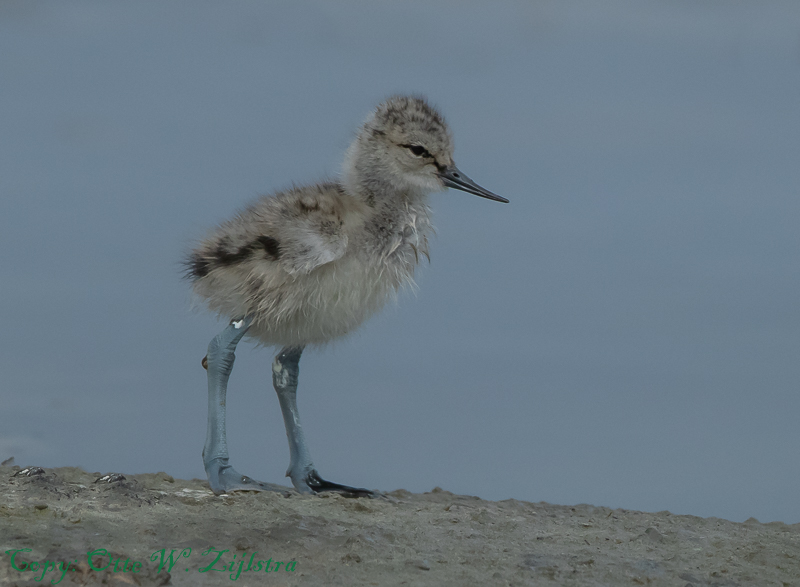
(418, 150)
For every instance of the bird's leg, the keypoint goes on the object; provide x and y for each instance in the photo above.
(219, 363)
(304, 477)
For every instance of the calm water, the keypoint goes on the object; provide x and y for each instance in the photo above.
(624, 333)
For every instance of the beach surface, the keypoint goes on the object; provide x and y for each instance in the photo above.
(152, 529)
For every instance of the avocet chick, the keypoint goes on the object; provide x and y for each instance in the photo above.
(310, 264)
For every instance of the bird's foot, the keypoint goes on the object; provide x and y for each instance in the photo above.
(223, 479)
(313, 483)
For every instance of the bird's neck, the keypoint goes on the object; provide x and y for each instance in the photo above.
(396, 222)
(366, 179)
(380, 194)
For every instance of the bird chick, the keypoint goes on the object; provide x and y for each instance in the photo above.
(310, 264)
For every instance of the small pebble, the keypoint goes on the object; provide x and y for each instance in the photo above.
(654, 535)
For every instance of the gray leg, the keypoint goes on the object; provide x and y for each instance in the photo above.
(305, 478)
(219, 363)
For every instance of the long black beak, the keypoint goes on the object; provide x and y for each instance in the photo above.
(453, 178)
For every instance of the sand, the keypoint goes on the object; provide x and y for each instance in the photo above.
(50, 521)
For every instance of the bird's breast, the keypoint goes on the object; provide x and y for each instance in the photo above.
(397, 237)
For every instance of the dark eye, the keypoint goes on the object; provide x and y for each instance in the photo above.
(418, 150)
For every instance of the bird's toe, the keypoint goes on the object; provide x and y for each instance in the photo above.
(319, 485)
(223, 478)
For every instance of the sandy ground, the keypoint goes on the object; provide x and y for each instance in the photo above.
(49, 522)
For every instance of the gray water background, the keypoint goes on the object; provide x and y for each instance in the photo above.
(625, 333)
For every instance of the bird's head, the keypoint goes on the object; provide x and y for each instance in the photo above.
(406, 146)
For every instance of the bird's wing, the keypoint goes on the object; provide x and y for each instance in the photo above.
(304, 246)
(309, 232)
